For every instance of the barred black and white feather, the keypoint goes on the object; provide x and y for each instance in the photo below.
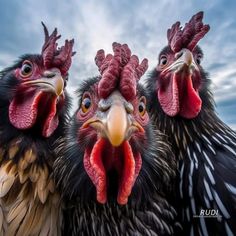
(206, 150)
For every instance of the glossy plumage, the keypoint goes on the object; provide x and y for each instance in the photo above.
(29, 202)
(206, 150)
(147, 212)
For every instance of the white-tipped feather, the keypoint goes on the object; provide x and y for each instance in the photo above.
(6, 182)
(203, 226)
(208, 160)
(221, 205)
(231, 188)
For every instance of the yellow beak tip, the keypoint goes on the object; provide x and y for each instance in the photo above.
(116, 141)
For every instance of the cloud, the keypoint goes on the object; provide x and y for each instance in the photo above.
(140, 24)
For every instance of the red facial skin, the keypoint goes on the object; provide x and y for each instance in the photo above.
(101, 156)
(178, 87)
(33, 103)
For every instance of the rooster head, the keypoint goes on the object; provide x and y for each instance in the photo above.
(179, 69)
(37, 84)
(111, 124)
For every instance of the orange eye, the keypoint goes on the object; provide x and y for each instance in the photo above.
(142, 106)
(26, 69)
(86, 104)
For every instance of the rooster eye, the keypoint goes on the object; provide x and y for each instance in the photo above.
(26, 69)
(163, 60)
(86, 104)
(65, 80)
(199, 59)
(142, 106)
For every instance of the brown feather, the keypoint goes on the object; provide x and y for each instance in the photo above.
(27, 205)
(46, 227)
(6, 182)
(34, 173)
(30, 156)
(1, 220)
(23, 175)
(42, 181)
(12, 151)
(28, 219)
(51, 186)
(43, 194)
(45, 230)
(53, 220)
(23, 164)
(38, 219)
(20, 205)
(12, 228)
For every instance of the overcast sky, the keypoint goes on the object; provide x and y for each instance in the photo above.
(140, 24)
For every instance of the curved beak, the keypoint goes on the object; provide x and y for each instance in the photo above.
(51, 81)
(187, 57)
(116, 124)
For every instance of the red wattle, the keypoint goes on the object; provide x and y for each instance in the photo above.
(178, 96)
(103, 157)
(191, 102)
(95, 169)
(52, 121)
(129, 174)
(25, 109)
(169, 97)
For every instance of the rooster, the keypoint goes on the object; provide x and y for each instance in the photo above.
(183, 108)
(113, 179)
(34, 110)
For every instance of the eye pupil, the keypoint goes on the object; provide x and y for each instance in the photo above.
(86, 104)
(141, 108)
(26, 69)
(198, 59)
(163, 60)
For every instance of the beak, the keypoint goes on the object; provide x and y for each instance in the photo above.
(115, 124)
(184, 60)
(186, 57)
(51, 81)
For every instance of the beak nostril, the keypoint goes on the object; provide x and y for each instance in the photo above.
(104, 109)
(104, 105)
(178, 54)
(129, 108)
(49, 74)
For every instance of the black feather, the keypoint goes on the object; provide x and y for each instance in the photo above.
(147, 211)
(206, 150)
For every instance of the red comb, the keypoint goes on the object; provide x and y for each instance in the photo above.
(54, 56)
(119, 70)
(188, 38)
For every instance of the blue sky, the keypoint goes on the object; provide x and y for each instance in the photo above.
(140, 24)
